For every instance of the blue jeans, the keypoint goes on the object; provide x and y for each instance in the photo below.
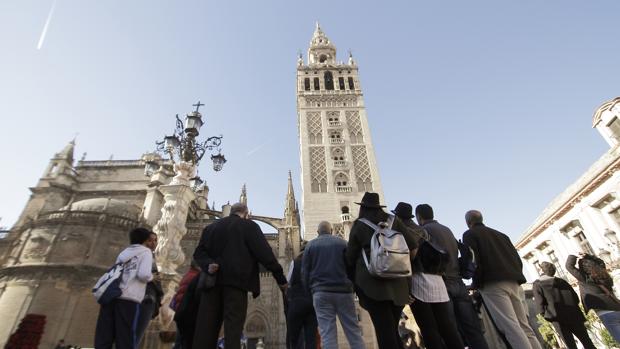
(612, 323)
(329, 304)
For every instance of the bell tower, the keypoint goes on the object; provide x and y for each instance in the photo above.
(337, 157)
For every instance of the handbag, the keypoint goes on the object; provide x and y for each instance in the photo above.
(432, 257)
(207, 280)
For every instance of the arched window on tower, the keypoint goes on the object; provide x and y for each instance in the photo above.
(342, 183)
(341, 83)
(329, 80)
(319, 187)
(335, 137)
(351, 84)
(338, 157)
(307, 84)
(317, 85)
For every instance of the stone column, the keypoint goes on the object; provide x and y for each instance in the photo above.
(170, 230)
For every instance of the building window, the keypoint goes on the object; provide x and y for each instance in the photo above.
(319, 187)
(338, 154)
(614, 125)
(307, 84)
(537, 267)
(574, 232)
(53, 170)
(615, 214)
(329, 80)
(341, 83)
(342, 183)
(583, 243)
(556, 262)
(317, 85)
(351, 84)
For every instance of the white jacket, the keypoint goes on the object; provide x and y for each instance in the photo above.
(138, 261)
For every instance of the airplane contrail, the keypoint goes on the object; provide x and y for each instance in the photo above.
(257, 148)
(47, 23)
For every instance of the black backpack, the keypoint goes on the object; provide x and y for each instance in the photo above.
(432, 257)
(467, 261)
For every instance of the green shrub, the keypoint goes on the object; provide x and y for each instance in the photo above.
(547, 332)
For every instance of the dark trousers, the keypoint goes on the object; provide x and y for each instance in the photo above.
(147, 308)
(301, 316)
(385, 316)
(436, 322)
(117, 324)
(566, 331)
(467, 320)
(221, 304)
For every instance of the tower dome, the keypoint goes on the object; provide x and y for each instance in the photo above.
(321, 50)
(606, 120)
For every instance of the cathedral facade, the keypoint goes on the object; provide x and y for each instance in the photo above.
(77, 221)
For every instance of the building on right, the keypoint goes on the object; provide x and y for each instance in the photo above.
(586, 216)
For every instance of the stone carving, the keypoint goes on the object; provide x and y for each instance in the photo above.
(362, 167)
(170, 229)
(355, 126)
(339, 230)
(171, 226)
(37, 247)
(318, 169)
(184, 171)
(315, 128)
(333, 115)
(331, 101)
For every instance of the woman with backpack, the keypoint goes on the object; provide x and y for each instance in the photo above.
(596, 289)
(383, 298)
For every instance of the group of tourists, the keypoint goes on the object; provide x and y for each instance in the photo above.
(389, 262)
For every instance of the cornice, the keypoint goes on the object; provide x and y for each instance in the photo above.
(327, 67)
(54, 272)
(568, 204)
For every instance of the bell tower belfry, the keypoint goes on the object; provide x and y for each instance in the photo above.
(337, 157)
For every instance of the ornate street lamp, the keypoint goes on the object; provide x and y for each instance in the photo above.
(184, 152)
(182, 145)
(196, 183)
(218, 161)
(150, 167)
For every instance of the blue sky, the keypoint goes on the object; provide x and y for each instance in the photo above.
(477, 104)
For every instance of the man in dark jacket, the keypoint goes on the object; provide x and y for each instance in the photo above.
(558, 303)
(498, 277)
(300, 313)
(231, 248)
(324, 274)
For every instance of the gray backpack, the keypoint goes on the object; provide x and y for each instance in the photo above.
(389, 253)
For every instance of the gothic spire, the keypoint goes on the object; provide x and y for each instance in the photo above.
(67, 152)
(290, 204)
(243, 198)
